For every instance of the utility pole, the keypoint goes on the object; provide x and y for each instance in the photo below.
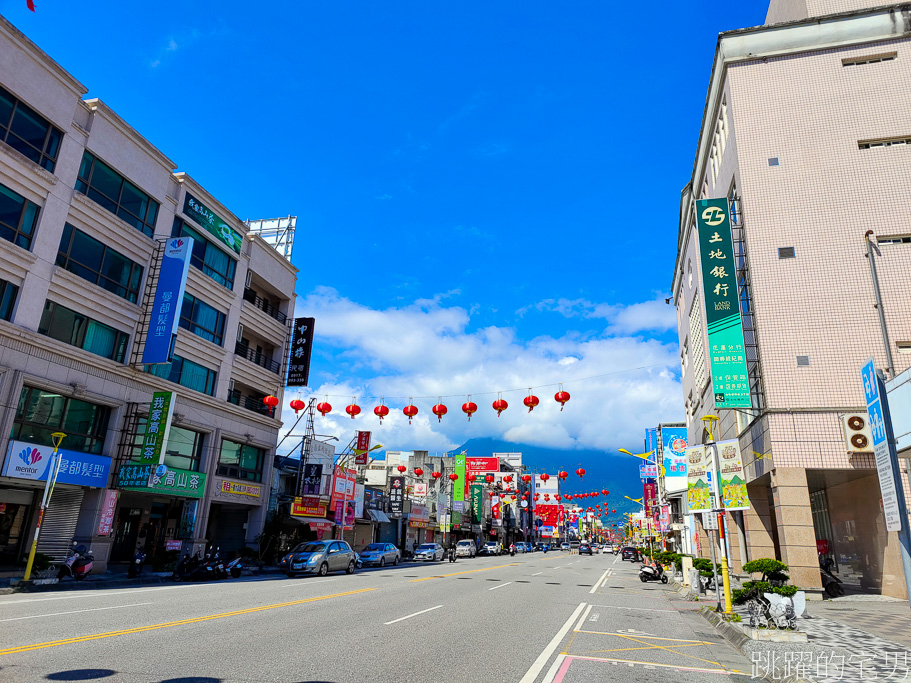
(879, 305)
(306, 441)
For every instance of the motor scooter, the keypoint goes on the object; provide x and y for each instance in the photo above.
(831, 584)
(191, 568)
(136, 565)
(512, 550)
(233, 567)
(452, 554)
(652, 573)
(78, 563)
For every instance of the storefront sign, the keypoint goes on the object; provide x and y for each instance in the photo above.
(188, 518)
(698, 491)
(731, 477)
(883, 446)
(173, 545)
(363, 445)
(477, 503)
(460, 485)
(649, 495)
(172, 280)
(308, 507)
(481, 465)
(396, 495)
(722, 304)
(214, 225)
(673, 445)
(240, 489)
(342, 485)
(313, 479)
(420, 490)
(648, 470)
(108, 506)
(301, 350)
(174, 482)
(158, 425)
(31, 461)
(420, 513)
(651, 441)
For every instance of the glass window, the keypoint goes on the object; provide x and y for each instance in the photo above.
(186, 373)
(183, 450)
(104, 185)
(240, 461)
(18, 217)
(8, 294)
(27, 132)
(202, 320)
(41, 413)
(206, 257)
(66, 325)
(93, 261)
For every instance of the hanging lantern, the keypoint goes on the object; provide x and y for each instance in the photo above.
(562, 475)
(526, 478)
(410, 410)
(595, 494)
(568, 496)
(612, 511)
(491, 494)
(439, 410)
(545, 477)
(524, 497)
(561, 397)
(500, 405)
(323, 408)
(468, 408)
(418, 471)
(489, 479)
(381, 411)
(436, 475)
(297, 405)
(604, 492)
(531, 401)
(558, 497)
(580, 472)
(472, 478)
(402, 469)
(546, 496)
(353, 410)
(271, 401)
(513, 497)
(536, 496)
(508, 478)
(453, 477)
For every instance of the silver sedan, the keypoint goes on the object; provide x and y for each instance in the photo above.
(429, 552)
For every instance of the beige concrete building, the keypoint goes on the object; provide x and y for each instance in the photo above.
(86, 204)
(806, 132)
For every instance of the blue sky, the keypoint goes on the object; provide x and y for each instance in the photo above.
(487, 192)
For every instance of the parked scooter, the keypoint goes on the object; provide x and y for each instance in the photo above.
(234, 567)
(652, 573)
(136, 565)
(78, 563)
(190, 568)
(831, 584)
(218, 566)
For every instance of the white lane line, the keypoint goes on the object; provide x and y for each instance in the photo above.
(500, 586)
(552, 671)
(539, 663)
(537, 573)
(583, 618)
(105, 594)
(423, 611)
(638, 609)
(78, 611)
(600, 581)
(302, 584)
(616, 557)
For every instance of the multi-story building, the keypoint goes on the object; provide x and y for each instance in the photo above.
(806, 132)
(87, 204)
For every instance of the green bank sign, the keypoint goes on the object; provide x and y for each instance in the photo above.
(722, 305)
(216, 227)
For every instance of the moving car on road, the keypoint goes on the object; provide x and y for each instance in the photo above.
(564, 546)
(319, 557)
(491, 548)
(630, 553)
(380, 554)
(466, 548)
(585, 548)
(429, 552)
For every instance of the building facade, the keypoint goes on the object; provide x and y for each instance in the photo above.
(87, 205)
(805, 132)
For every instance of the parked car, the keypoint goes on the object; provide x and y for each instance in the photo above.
(429, 552)
(630, 553)
(466, 548)
(491, 548)
(380, 554)
(319, 557)
(540, 546)
(585, 548)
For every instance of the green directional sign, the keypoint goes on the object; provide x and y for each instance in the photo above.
(722, 305)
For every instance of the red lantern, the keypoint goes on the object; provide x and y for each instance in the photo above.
(436, 475)
(401, 468)
(508, 478)
(612, 511)
(561, 397)
(491, 494)
(531, 401)
(536, 496)
(324, 408)
(546, 496)
(500, 405)
(489, 479)
(410, 410)
(453, 477)
(381, 411)
(271, 401)
(468, 408)
(562, 475)
(545, 477)
(595, 494)
(418, 471)
(604, 492)
(524, 497)
(568, 496)
(472, 478)
(353, 410)
(580, 472)
(526, 478)
(298, 405)
(439, 410)
(513, 497)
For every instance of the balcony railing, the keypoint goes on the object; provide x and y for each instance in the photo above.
(253, 403)
(257, 357)
(263, 305)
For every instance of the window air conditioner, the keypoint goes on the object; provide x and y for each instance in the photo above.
(858, 438)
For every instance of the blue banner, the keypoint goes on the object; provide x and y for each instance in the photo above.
(165, 314)
(32, 461)
(651, 440)
(673, 444)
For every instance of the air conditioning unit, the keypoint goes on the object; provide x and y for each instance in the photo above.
(240, 332)
(858, 438)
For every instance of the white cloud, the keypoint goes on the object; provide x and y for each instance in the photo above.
(428, 349)
(645, 316)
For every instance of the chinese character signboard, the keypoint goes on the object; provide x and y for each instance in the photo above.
(648, 470)
(883, 446)
(460, 484)
(342, 485)
(420, 490)
(363, 445)
(308, 506)
(165, 314)
(188, 518)
(108, 506)
(173, 482)
(396, 495)
(216, 227)
(651, 440)
(313, 479)
(158, 424)
(32, 461)
(477, 503)
(239, 488)
(722, 305)
(482, 465)
(301, 346)
(673, 445)
(730, 477)
(649, 495)
(698, 490)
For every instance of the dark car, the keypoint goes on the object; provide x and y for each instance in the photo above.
(630, 553)
(585, 549)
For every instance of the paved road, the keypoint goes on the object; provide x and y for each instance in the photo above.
(533, 618)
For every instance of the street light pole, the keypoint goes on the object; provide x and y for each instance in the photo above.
(710, 421)
(53, 469)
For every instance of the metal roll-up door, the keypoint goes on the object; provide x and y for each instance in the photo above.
(59, 525)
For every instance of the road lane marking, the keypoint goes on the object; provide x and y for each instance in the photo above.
(537, 573)
(182, 622)
(603, 579)
(552, 671)
(684, 641)
(500, 586)
(423, 611)
(638, 609)
(583, 618)
(469, 571)
(299, 584)
(78, 611)
(539, 663)
(664, 666)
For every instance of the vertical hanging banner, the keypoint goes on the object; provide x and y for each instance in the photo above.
(730, 476)
(477, 504)
(649, 495)
(158, 424)
(883, 447)
(461, 484)
(363, 445)
(673, 445)
(722, 304)
(313, 479)
(301, 348)
(698, 491)
(396, 495)
(651, 439)
(165, 314)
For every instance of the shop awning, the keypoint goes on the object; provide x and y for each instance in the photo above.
(314, 520)
(378, 516)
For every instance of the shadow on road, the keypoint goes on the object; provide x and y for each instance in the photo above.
(80, 674)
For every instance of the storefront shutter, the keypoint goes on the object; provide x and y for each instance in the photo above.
(59, 525)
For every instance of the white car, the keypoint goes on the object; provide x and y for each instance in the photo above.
(466, 549)
(429, 552)
(491, 548)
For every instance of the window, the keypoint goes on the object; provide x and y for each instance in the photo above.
(884, 142)
(41, 413)
(182, 451)
(70, 327)
(8, 294)
(803, 360)
(206, 257)
(240, 461)
(697, 351)
(93, 261)
(869, 59)
(786, 252)
(202, 320)
(719, 140)
(102, 184)
(898, 239)
(27, 132)
(18, 217)
(187, 374)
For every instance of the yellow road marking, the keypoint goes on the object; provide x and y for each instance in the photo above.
(153, 627)
(627, 635)
(468, 571)
(669, 649)
(630, 649)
